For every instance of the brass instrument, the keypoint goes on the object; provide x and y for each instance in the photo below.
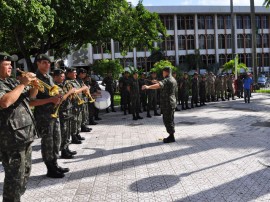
(88, 95)
(53, 90)
(56, 113)
(75, 95)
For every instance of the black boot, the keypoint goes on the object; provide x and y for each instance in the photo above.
(98, 119)
(138, 116)
(134, 118)
(169, 139)
(84, 128)
(176, 109)
(79, 137)
(60, 169)
(52, 171)
(107, 110)
(156, 114)
(92, 123)
(66, 155)
(71, 152)
(113, 110)
(74, 140)
(149, 115)
(125, 112)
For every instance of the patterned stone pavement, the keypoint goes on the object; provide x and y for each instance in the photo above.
(218, 156)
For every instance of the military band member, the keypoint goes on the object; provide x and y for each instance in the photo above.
(65, 113)
(152, 95)
(134, 90)
(211, 87)
(109, 87)
(143, 95)
(174, 74)
(95, 92)
(17, 129)
(76, 121)
(85, 112)
(167, 102)
(184, 88)
(195, 90)
(48, 127)
(230, 83)
(202, 90)
(218, 88)
(125, 95)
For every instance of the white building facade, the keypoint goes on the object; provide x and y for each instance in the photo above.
(207, 28)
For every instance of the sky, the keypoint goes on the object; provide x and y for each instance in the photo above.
(196, 2)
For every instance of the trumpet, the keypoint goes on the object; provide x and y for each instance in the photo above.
(75, 95)
(88, 95)
(56, 113)
(53, 90)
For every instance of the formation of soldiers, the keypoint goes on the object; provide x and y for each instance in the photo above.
(201, 88)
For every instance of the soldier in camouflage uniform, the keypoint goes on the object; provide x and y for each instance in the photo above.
(211, 86)
(152, 96)
(195, 90)
(109, 87)
(174, 74)
(218, 88)
(125, 96)
(184, 88)
(48, 127)
(85, 112)
(76, 121)
(202, 90)
(17, 129)
(143, 95)
(230, 83)
(65, 113)
(225, 87)
(167, 102)
(134, 90)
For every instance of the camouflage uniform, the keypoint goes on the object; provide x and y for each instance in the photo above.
(195, 92)
(143, 94)
(202, 92)
(125, 96)
(168, 102)
(230, 88)
(85, 110)
(135, 97)
(16, 135)
(152, 96)
(225, 87)
(184, 92)
(76, 120)
(218, 88)
(48, 127)
(211, 86)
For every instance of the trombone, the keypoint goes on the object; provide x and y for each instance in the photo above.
(53, 90)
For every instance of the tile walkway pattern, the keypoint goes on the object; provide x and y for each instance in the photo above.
(218, 157)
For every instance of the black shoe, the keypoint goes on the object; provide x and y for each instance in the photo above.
(169, 139)
(75, 140)
(192, 106)
(107, 111)
(188, 108)
(62, 170)
(71, 152)
(85, 129)
(113, 110)
(135, 118)
(148, 115)
(177, 110)
(92, 123)
(139, 117)
(98, 119)
(79, 137)
(197, 105)
(52, 171)
(157, 114)
(66, 155)
(183, 108)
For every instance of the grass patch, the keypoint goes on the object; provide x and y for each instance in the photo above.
(117, 99)
(263, 91)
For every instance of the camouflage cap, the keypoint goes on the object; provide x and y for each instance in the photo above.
(58, 72)
(6, 57)
(71, 69)
(43, 57)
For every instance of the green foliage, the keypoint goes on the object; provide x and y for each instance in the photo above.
(230, 66)
(158, 67)
(266, 3)
(103, 67)
(31, 27)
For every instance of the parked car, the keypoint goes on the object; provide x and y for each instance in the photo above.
(263, 82)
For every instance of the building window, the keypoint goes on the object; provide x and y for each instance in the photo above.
(190, 22)
(172, 60)
(182, 59)
(221, 41)
(190, 42)
(202, 42)
(248, 41)
(141, 63)
(240, 41)
(249, 60)
(259, 41)
(241, 58)
(220, 20)
(201, 22)
(116, 47)
(266, 59)
(209, 22)
(239, 20)
(222, 59)
(211, 59)
(258, 21)
(181, 22)
(170, 43)
(228, 57)
(181, 42)
(265, 22)
(210, 42)
(228, 22)
(204, 61)
(259, 59)
(161, 43)
(266, 41)
(229, 41)
(97, 49)
(107, 48)
(247, 22)
(168, 21)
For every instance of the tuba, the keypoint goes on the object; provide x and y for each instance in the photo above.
(53, 90)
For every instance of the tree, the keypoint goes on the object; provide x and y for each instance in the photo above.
(103, 67)
(230, 66)
(32, 27)
(266, 3)
(158, 67)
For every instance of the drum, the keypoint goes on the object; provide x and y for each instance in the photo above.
(103, 101)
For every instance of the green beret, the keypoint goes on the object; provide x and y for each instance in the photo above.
(71, 69)
(43, 57)
(58, 72)
(6, 57)
(82, 70)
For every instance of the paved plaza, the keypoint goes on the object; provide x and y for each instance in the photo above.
(220, 155)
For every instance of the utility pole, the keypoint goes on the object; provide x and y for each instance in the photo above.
(233, 37)
(254, 39)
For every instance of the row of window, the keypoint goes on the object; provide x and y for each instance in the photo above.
(187, 22)
(245, 41)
